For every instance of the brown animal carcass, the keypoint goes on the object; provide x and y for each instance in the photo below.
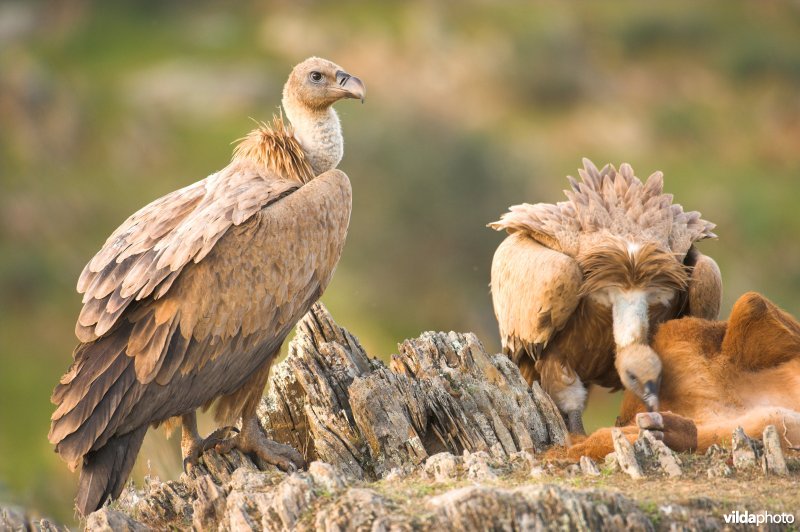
(719, 376)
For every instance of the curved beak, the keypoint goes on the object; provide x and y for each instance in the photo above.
(650, 396)
(351, 86)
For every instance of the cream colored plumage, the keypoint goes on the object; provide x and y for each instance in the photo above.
(577, 282)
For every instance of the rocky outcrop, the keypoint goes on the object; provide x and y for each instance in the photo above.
(442, 392)
(445, 436)
(16, 519)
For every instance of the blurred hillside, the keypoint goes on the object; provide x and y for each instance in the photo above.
(472, 107)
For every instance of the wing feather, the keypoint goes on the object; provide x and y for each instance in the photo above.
(146, 254)
(704, 291)
(212, 329)
(608, 200)
(535, 291)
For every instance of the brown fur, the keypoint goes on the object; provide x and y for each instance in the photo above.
(720, 375)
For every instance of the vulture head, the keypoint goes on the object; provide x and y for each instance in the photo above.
(317, 83)
(639, 369)
(308, 96)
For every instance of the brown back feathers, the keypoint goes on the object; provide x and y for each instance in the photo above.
(609, 201)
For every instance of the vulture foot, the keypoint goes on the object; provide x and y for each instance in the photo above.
(253, 441)
(193, 448)
(574, 421)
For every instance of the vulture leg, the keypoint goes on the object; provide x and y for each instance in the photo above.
(574, 422)
(567, 390)
(192, 445)
(252, 439)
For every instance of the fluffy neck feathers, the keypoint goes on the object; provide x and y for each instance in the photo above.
(273, 148)
(312, 145)
(318, 131)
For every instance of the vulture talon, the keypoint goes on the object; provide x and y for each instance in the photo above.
(253, 441)
(194, 447)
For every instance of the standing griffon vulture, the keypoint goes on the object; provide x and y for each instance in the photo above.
(190, 299)
(578, 286)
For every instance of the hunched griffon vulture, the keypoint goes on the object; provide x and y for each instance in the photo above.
(190, 299)
(578, 286)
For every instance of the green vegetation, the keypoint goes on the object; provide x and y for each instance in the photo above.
(472, 107)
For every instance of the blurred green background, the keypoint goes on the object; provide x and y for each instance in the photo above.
(472, 106)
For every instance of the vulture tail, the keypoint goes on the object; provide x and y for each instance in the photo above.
(105, 470)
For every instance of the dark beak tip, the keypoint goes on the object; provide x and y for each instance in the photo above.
(651, 402)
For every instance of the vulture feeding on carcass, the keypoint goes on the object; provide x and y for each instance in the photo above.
(718, 375)
(579, 285)
(190, 299)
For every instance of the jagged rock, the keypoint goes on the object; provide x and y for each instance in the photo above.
(208, 509)
(443, 409)
(15, 519)
(356, 509)
(589, 467)
(610, 462)
(715, 451)
(533, 508)
(443, 467)
(773, 461)
(744, 453)
(665, 459)
(521, 461)
(477, 466)
(625, 455)
(442, 392)
(326, 476)
(108, 520)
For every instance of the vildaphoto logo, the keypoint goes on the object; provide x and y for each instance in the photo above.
(758, 518)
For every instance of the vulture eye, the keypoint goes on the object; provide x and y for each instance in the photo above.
(632, 377)
(315, 77)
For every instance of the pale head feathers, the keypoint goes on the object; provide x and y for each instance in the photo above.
(639, 369)
(609, 202)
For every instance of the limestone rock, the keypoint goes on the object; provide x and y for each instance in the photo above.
(773, 460)
(744, 453)
(589, 467)
(15, 519)
(626, 458)
(441, 393)
(443, 467)
(107, 520)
